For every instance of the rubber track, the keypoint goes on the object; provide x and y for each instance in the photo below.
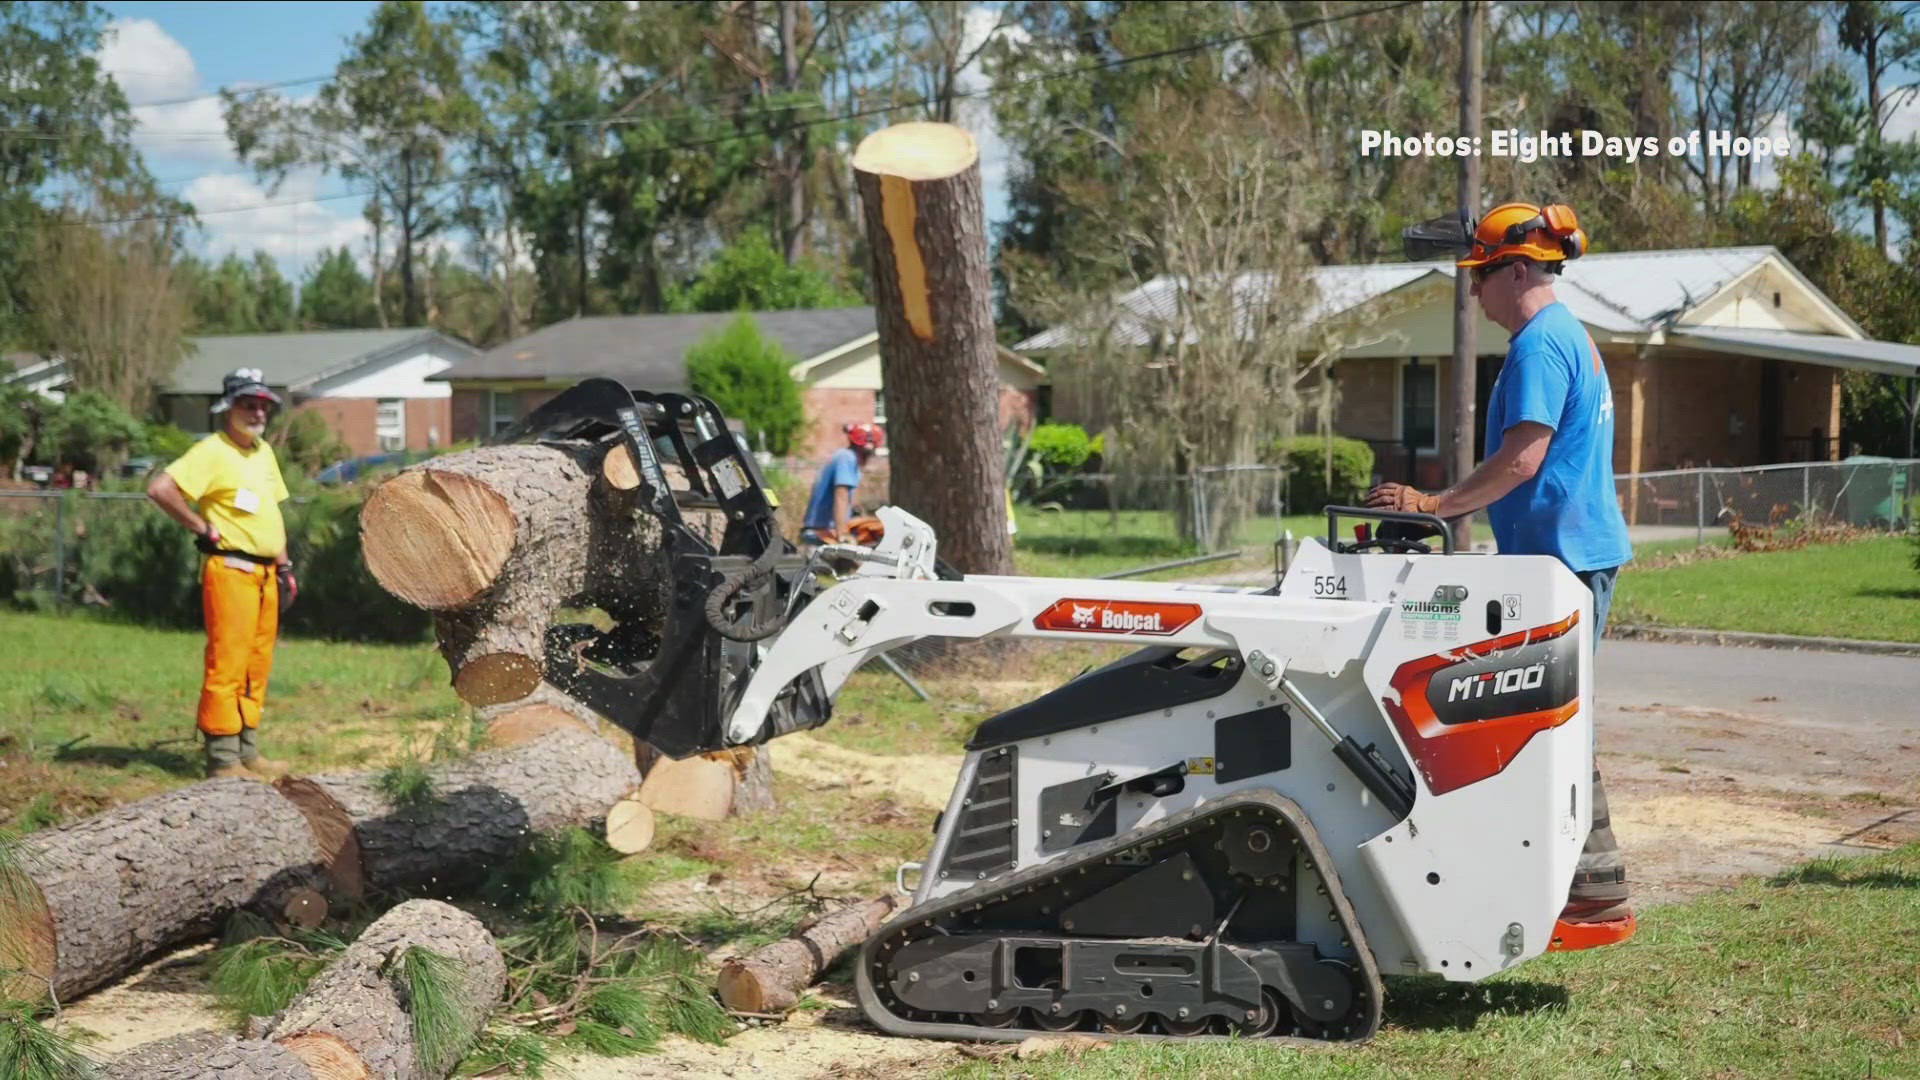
(868, 973)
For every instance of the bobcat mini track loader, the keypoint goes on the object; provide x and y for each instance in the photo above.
(1381, 766)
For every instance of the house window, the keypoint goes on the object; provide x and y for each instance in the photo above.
(502, 411)
(390, 424)
(880, 419)
(1420, 404)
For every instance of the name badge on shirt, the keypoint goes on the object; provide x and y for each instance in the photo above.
(246, 500)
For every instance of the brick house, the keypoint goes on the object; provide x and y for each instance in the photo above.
(372, 386)
(837, 364)
(1716, 356)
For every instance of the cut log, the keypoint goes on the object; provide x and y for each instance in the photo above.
(710, 787)
(481, 810)
(112, 890)
(529, 722)
(933, 298)
(771, 978)
(630, 826)
(497, 540)
(353, 1019)
(360, 998)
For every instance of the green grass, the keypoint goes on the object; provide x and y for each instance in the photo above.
(1088, 543)
(1866, 589)
(1810, 974)
(94, 711)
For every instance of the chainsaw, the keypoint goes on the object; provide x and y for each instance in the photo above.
(1379, 766)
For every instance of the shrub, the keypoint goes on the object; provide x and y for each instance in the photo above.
(1061, 448)
(305, 443)
(750, 377)
(1305, 459)
(339, 597)
(166, 441)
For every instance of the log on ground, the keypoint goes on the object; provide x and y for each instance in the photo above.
(354, 1020)
(479, 810)
(771, 978)
(110, 891)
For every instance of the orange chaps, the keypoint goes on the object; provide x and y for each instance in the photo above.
(242, 605)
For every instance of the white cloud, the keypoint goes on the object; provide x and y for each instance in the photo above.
(147, 62)
(240, 216)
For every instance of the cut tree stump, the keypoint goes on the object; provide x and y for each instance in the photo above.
(933, 301)
(481, 809)
(353, 1019)
(771, 978)
(101, 895)
(630, 826)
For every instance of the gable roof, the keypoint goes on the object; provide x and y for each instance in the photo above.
(651, 350)
(297, 360)
(1624, 292)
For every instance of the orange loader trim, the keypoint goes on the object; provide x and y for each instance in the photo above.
(1568, 937)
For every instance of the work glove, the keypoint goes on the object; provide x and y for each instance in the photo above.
(289, 585)
(208, 541)
(1403, 498)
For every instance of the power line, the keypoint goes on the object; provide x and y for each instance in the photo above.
(1086, 69)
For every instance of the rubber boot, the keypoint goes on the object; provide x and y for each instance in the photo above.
(223, 757)
(1599, 892)
(264, 767)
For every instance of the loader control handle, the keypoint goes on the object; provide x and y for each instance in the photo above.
(1400, 530)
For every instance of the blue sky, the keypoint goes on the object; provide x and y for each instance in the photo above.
(162, 53)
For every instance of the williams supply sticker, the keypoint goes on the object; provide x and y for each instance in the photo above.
(1136, 617)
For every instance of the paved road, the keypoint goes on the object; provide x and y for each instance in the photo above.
(1849, 690)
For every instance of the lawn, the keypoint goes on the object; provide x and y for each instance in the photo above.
(94, 711)
(1865, 589)
(1809, 974)
(1088, 543)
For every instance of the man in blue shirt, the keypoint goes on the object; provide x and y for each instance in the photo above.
(1547, 482)
(831, 508)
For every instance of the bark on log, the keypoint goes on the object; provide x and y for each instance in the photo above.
(933, 295)
(482, 808)
(111, 890)
(353, 1019)
(496, 540)
(770, 979)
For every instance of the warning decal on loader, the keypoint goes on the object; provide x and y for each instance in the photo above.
(1143, 618)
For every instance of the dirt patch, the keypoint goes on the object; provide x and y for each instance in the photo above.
(922, 780)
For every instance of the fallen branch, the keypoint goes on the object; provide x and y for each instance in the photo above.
(770, 979)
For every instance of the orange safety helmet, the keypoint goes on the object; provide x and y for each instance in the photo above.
(1523, 230)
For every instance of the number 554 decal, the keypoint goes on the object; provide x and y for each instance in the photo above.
(1330, 585)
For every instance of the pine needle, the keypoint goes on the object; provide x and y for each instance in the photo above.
(408, 785)
(520, 1053)
(437, 1001)
(29, 1050)
(560, 871)
(262, 976)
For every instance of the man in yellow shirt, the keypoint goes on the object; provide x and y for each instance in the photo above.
(227, 491)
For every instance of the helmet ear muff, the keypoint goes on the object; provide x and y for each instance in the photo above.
(1564, 225)
(1574, 245)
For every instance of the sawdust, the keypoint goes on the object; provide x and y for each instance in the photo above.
(921, 780)
(168, 997)
(1703, 819)
(808, 1044)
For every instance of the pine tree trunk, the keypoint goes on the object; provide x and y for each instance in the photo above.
(479, 810)
(933, 294)
(353, 1020)
(103, 894)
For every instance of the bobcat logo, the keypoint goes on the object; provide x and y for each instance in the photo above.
(1083, 616)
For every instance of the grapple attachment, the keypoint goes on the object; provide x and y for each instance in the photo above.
(673, 664)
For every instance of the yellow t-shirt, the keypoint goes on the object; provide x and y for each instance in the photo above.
(239, 491)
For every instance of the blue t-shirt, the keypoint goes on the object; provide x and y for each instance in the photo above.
(1568, 509)
(841, 470)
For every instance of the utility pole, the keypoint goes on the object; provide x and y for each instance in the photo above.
(1465, 316)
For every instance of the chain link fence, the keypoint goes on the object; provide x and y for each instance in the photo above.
(1874, 493)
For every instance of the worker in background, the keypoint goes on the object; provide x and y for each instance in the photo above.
(830, 510)
(1547, 483)
(227, 491)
